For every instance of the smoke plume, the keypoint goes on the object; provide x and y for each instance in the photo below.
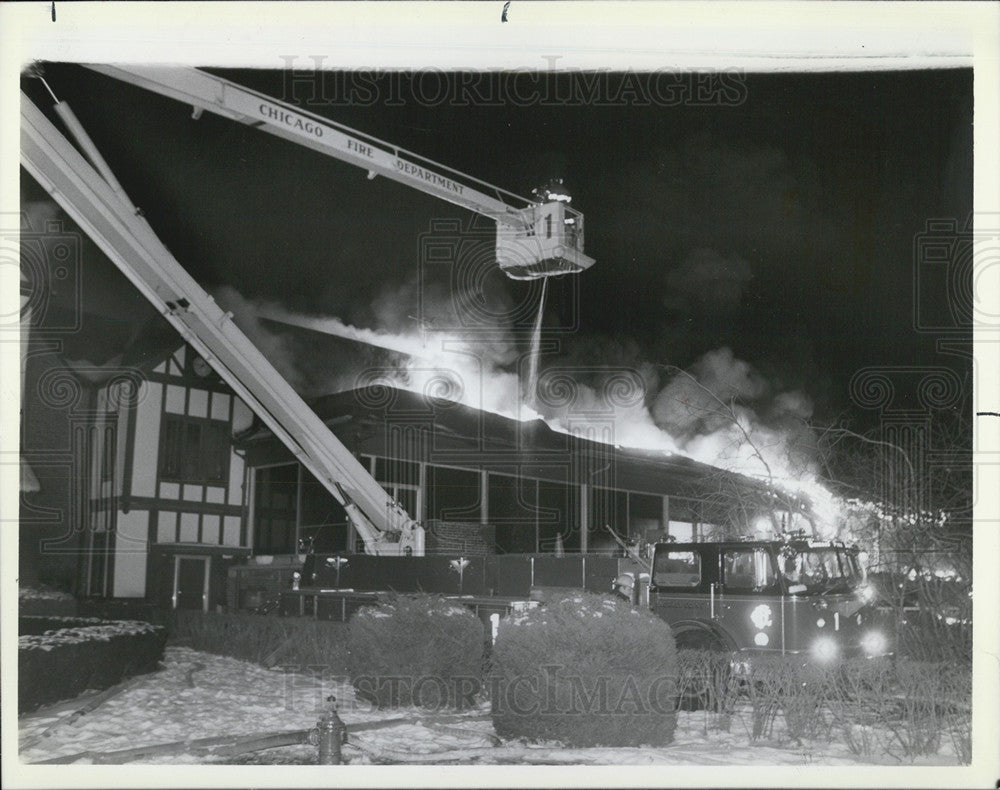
(707, 282)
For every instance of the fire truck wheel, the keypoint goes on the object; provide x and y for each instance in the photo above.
(699, 639)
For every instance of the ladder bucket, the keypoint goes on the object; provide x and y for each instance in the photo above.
(548, 244)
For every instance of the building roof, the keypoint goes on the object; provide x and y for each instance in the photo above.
(454, 434)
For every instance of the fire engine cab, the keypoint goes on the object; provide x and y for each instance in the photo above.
(791, 596)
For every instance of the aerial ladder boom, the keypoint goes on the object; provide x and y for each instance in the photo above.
(535, 238)
(99, 205)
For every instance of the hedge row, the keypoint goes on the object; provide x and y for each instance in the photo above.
(585, 670)
(34, 625)
(285, 641)
(61, 663)
(416, 650)
(123, 609)
(43, 601)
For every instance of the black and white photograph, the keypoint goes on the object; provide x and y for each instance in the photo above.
(500, 394)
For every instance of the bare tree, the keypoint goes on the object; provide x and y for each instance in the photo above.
(735, 503)
(911, 507)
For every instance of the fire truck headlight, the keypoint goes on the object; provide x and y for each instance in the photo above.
(825, 649)
(874, 643)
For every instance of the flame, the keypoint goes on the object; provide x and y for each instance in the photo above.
(452, 367)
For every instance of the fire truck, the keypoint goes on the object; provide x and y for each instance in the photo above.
(791, 596)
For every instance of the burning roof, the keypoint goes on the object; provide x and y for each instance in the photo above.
(370, 420)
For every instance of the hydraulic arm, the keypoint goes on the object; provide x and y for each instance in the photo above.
(534, 239)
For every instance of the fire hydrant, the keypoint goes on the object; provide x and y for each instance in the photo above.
(332, 734)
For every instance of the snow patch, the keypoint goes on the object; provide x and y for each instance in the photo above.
(88, 633)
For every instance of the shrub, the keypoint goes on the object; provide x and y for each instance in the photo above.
(899, 708)
(123, 609)
(917, 722)
(44, 601)
(586, 670)
(34, 625)
(288, 641)
(927, 635)
(416, 650)
(794, 687)
(706, 681)
(958, 690)
(860, 702)
(933, 616)
(904, 708)
(59, 664)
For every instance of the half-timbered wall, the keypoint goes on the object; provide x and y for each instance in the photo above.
(164, 472)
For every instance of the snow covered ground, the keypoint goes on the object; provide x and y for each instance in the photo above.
(199, 695)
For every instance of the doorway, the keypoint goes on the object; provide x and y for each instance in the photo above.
(191, 577)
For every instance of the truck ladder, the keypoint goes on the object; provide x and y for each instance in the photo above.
(523, 251)
(104, 212)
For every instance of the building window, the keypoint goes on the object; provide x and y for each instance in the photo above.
(606, 508)
(401, 481)
(323, 522)
(453, 494)
(392, 471)
(513, 512)
(194, 450)
(275, 509)
(558, 516)
(645, 516)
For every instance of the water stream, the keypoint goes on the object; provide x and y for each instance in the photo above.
(531, 391)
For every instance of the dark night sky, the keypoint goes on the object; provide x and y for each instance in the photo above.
(782, 227)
